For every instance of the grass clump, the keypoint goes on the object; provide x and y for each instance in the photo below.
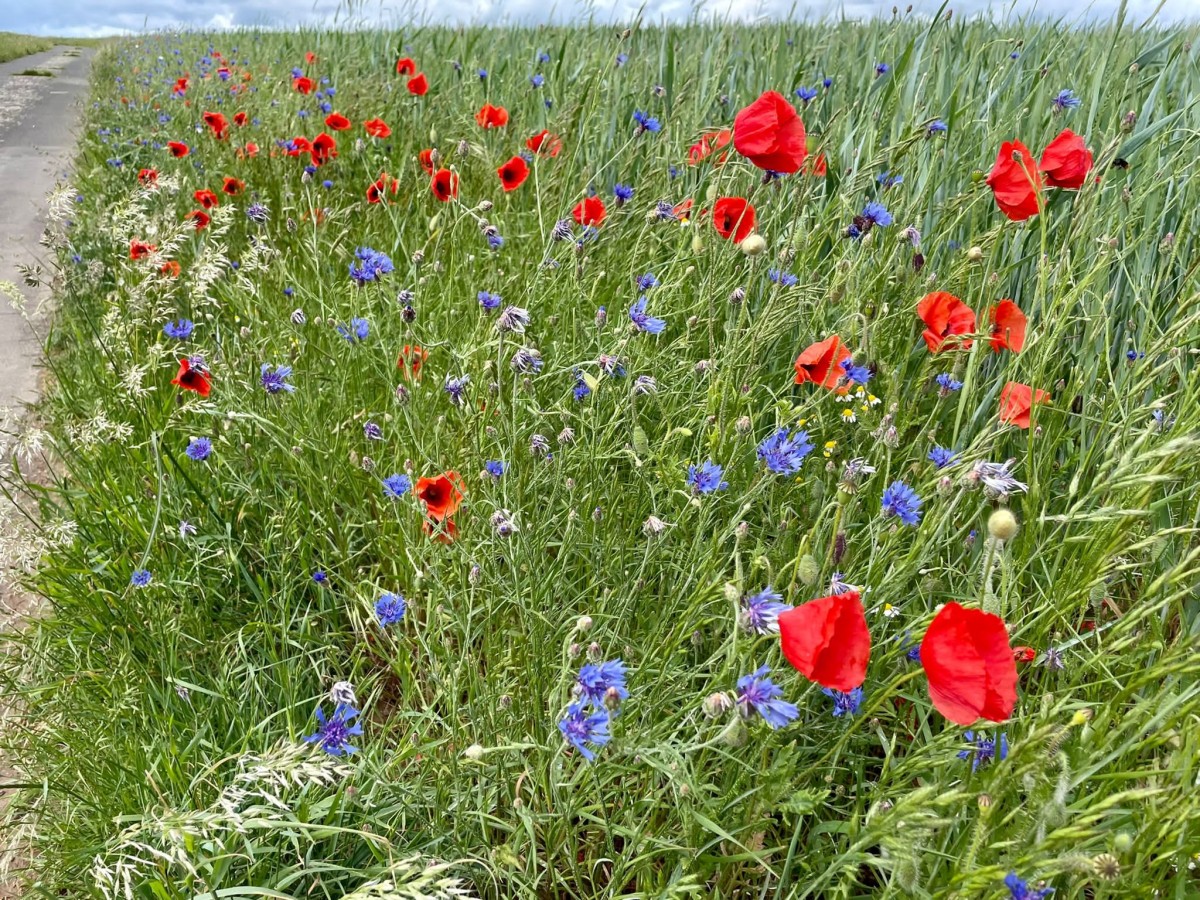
(433, 469)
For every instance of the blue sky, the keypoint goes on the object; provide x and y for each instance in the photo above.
(88, 18)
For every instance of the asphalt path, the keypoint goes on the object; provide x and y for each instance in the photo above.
(39, 116)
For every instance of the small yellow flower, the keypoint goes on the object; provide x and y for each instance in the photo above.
(873, 400)
(849, 416)
(830, 447)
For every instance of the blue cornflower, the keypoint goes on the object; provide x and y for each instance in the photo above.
(877, 214)
(623, 193)
(706, 478)
(844, 704)
(941, 457)
(537, 80)
(140, 578)
(642, 321)
(390, 608)
(482, 73)
(489, 301)
(806, 94)
(827, 82)
(327, 184)
(319, 577)
(948, 384)
(580, 728)
(543, 56)
(594, 681)
(983, 749)
(855, 374)
(758, 694)
(397, 486)
(581, 388)
(647, 281)
(646, 122)
(1014, 55)
(783, 452)
(887, 180)
(358, 330)
(274, 378)
(371, 266)
(882, 69)
(372, 431)
(288, 291)
(622, 58)
(495, 240)
(199, 449)
(456, 387)
(1020, 890)
(782, 278)
(495, 467)
(937, 126)
(1134, 355)
(1065, 99)
(333, 734)
(760, 612)
(672, 173)
(902, 501)
(181, 330)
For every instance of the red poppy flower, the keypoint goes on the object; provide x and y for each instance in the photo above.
(337, 122)
(251, 149)
(405, 66)
(1016, 400)
(192, 378)
(418, 85)
(299, 145)
(379, 188)
(816, 166)
(444, 185)
(513, 173)
(491, 116)
(1015, 183)
(821, 362)
(1008, 327)
(970, 666)
(946, 318)
(425, 158)
(411, 360)
(444, 532)
(170, 268)
(1066, 161)
(232, 186)
(217, 124)
(310, 57)
(207, 199)
(441, 495)
(1024, 654)
(682, 210)
(303, 85)
(181, 85)
(324, 148)
(545, 143)
(589, 211)
(377, 128)
(770, 134)
(148, 176)
(733, 217)
(827, 640)
(240, 119)
(140, 249)
(707, 144)
(177, 149)
(199, 219)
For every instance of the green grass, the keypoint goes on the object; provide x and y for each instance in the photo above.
(40, 73)
(14, 46)
(155, 742)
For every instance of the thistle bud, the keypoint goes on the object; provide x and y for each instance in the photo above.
(595, 652)
(717, 705)
(612, 699)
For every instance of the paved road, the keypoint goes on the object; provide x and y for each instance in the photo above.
(38, 118)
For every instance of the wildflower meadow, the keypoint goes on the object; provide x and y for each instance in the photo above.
(711, 460)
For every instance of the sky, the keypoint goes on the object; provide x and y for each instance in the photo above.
(98, 18)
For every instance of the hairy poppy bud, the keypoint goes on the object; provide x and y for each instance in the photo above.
(754, 245)
(975, 254)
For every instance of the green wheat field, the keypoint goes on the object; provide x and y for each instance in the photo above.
(450, 484)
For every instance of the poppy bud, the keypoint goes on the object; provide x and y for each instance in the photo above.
(697, 244)
(754, 245)
(474, 753)
(975, 254)
(433, 136)
(583, 624)
(1002, 525)
(808, 570)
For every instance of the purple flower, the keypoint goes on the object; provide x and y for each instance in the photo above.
(333, 734)
(783, 452)
(941, 457)
(358, 330)
(390, 608)
(647, 281)
(397, 486)
(983, 749)
(489, 301)
(1065, 99)
(902, 501)
(597, 680)
(623, 193)
(646, 122)
(181, 330)
(760, 612)
(580, 728)
(140, 578)
(758, 694)
(844, 703)
(642, 321)
(1020, 890)
(199, 449)
(706, 478)
(274, 378)
(371, 266)
(806, 94)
